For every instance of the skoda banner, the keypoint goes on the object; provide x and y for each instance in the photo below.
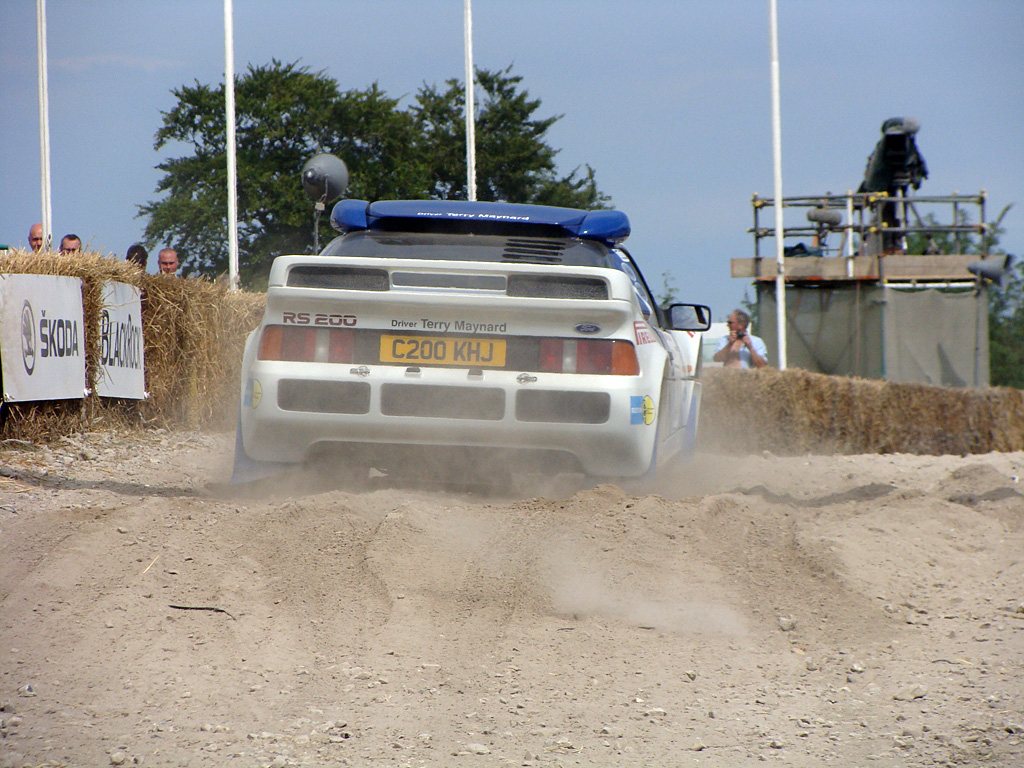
(42, 338)
(121, 370)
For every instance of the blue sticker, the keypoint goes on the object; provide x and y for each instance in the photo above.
(636, 409)
(641, 409)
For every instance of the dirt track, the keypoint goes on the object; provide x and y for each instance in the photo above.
(864, 610)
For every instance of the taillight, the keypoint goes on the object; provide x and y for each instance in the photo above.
(624, 359)
(604, 356)
(270, 343)
(306, 345)
(340, 345)
(593, 356)
(281, 342)
(551, 355)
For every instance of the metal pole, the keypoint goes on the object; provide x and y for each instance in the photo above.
(44, 125)
(981, 298)
(984, 228)
(470, 108)
(849, 233)
(780, 279)
(757, 238)
(956, 222)
(229, 98)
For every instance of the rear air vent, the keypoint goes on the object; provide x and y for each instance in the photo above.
(349, 278)
(442, 402)
(323, 396)
(538, 405)
(445, 280)
(533, 249)
(557, 287)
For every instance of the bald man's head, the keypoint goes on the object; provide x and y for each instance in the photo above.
(167, 260)
(35, 236)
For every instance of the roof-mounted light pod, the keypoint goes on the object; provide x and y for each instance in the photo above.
(608, 227)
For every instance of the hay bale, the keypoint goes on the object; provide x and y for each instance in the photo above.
(794, 412)
(193, 333)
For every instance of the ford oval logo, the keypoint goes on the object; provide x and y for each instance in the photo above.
(587, 328)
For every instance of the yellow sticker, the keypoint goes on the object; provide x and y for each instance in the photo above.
(257, 393)
(648, 410)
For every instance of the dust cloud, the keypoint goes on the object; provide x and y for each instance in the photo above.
(793, 610)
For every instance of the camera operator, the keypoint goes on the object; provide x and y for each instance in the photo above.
(741, 349)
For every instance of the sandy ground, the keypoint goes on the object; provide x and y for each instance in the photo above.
(854, 610)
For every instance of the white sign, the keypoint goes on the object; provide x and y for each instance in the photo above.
(122, 367)
(42, 337)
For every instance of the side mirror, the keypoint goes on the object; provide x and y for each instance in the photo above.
(689, 317)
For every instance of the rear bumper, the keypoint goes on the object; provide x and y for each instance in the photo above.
(606, 423)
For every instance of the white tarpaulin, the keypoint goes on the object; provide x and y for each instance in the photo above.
(121, 370)
(42, 337)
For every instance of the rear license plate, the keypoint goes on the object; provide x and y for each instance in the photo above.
(434, 350)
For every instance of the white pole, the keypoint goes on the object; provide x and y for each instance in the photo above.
(780, 279)
(44, 125)
(229, 95)
(470, 109)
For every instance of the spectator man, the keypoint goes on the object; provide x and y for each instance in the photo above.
(741, 349)
(70, 244)
(35, 237)
(167, 260)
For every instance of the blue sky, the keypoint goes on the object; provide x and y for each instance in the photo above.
(668, 100)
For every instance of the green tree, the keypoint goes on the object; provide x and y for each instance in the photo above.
(939, 241)
(285, 114)
(1006, 330)
(669, 290)
(513, 162)
(1005, 312)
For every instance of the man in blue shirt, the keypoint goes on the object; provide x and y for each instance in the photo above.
(741, 349)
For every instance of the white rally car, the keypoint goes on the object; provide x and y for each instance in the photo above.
(455, 336)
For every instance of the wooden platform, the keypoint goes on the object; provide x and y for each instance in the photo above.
(895, 267)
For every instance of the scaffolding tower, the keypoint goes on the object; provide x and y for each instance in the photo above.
(859, 302)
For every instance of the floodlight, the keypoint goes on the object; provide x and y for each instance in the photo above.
(325, 178)
(993, 269)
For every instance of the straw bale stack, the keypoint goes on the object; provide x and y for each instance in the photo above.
(794, 412)
(193, 333)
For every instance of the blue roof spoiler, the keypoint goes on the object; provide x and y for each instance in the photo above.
(605, 226)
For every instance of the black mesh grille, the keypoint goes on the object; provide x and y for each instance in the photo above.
(323, 396)
(563, 407)
(533, 249)
(351, 278)
(446, 280)
(557, 287)
(442, 402)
